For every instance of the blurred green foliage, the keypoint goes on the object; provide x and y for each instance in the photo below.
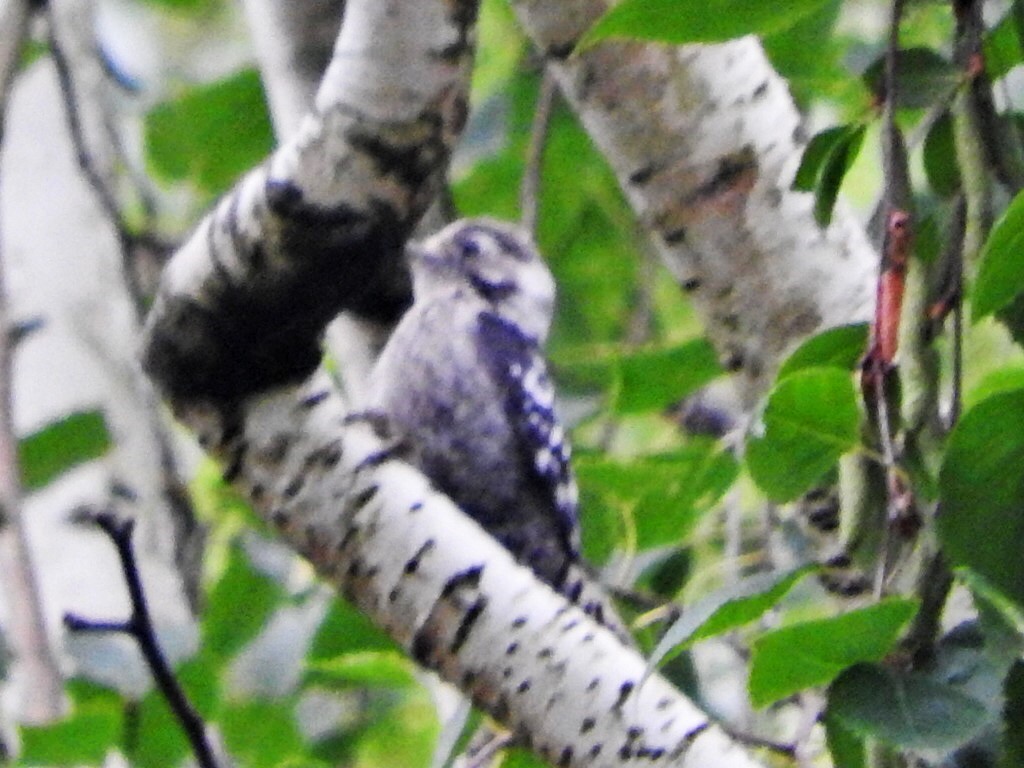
(627, 349)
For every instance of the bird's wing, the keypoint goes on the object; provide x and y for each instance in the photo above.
(519, 367)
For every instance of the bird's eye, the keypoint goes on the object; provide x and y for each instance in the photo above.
(471, 247)
(471, 243)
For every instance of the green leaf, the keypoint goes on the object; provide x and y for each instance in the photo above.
(925, 78)
(344, 630)
(217, 500)
(815, 153)
(497, 132)
(500, 47)
(589, 239)
(518, 757)
(981, 487)
(1002, 49)
(1011, 317)
(995, 382)
(943, 174)
(840, 347)
(810, 69)
(810, 421)
(485, 189)
(84, 692)
(200, 680)
(645, 381)
(406, 735)
(668, 576)
(651, 380)
(261, 734)
(583, 216)
(1001, 272)
(689, 21)
(1012, 746)
(158, 740)
(790, 659)
(31, 52)
(929, 237)
(847, 749)
(667, 494)
(212, 134)
(237, 606)
(904, 709)
(92, 730)
(726, 609)
(61, 445)
(833, 170)
(379, 668)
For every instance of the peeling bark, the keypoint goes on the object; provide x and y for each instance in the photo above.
(321, 226)
(704, 141)
(294, 43)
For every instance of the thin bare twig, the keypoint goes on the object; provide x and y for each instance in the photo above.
(529, 193)
(879, 371)
(107, 200)
(956, 389)
(129, 243)
(139, 626)
(880, 366)
(759, 742)
(934, 585)
(484, 748)
(889, 460)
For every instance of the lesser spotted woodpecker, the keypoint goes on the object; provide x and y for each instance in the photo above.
(464, 383)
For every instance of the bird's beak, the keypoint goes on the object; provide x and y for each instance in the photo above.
(414, 252)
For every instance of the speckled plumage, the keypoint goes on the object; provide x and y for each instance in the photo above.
(464, 383)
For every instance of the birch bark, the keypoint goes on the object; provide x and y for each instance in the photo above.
(704, 141)
(233, 338)
(40, 689)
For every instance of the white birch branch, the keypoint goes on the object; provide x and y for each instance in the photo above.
(233, 337)
(449, 593)
(293, 47)
(704, 141)
(321, 226)
(294, 42)
(14, 15)
(40, 683)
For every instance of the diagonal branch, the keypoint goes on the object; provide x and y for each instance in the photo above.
(293, 46)
(43, 686)
(84, 91)
(704, 141)
(450, 594)
(232, 341)
(321, 226)
(14, 16)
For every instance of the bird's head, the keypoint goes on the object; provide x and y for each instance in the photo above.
(492, 260)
